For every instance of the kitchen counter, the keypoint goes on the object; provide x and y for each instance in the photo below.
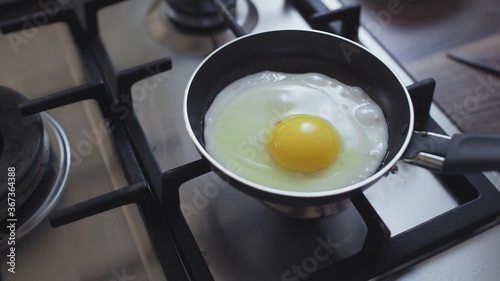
(420, 34)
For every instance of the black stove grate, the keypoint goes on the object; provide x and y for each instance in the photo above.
(107, 87)
(157, 192)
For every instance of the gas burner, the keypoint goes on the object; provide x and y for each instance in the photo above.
(167, 31)
(197, 15)
(25, 149)
(40, 172)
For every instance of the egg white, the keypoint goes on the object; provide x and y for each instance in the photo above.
(240, 118)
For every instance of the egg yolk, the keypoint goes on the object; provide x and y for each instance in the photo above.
(303, 143)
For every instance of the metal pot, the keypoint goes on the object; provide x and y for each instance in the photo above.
(297, 51)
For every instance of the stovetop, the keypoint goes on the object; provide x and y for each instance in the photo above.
(238, 236)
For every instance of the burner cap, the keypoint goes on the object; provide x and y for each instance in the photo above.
(197, 15)
(23, 146)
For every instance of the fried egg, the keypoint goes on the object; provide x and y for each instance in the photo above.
(297, 132)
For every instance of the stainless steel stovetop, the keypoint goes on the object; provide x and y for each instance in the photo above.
(240, 238)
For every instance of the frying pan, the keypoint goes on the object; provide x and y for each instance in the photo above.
(300, 51)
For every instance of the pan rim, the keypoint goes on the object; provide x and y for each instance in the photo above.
(301, 194)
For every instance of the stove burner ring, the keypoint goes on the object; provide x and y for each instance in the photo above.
(180, 40)
(25, 148)
(197, 15)
(52, 181)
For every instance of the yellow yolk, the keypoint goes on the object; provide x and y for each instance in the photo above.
(303, 143)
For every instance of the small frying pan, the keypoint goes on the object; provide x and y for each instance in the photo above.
(300, 51)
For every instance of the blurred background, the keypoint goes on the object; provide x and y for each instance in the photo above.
(457, 42)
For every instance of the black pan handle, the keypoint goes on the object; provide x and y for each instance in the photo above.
(459, 154)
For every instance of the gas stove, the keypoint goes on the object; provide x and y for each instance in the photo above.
(134, 201)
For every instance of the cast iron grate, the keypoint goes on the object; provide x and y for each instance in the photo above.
(157, 192)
